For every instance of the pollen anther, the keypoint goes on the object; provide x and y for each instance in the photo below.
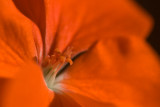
(53, 63)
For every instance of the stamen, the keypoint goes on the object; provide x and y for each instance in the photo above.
(69, 60)
(53, 63)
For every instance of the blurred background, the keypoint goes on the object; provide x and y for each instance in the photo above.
(153, 7)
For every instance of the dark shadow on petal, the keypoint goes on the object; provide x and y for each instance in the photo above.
(67, 65)
(35, 11)
(3, 83)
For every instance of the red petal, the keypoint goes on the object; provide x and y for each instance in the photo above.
(19, 39)
(80, 24)
(64, 100)
(70, 22)
(123, 71)
(34, 10)
(26, 89)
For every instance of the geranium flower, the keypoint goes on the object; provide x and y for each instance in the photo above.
(113, 66)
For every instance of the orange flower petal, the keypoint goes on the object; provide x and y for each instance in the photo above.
(76, 23)
(64, 100)
(123, 71)
(26, 89)
(21, 82)
(127, 82)
(34, 10)
(65, 22)
(19, 39)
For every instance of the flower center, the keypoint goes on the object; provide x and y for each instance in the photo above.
(53, 63)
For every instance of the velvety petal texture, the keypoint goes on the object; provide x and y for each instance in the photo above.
(27, 88)
(21, 80)
(97, 19)
(122, 71)
(116, 69)
(19, 40)
(69, 22)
